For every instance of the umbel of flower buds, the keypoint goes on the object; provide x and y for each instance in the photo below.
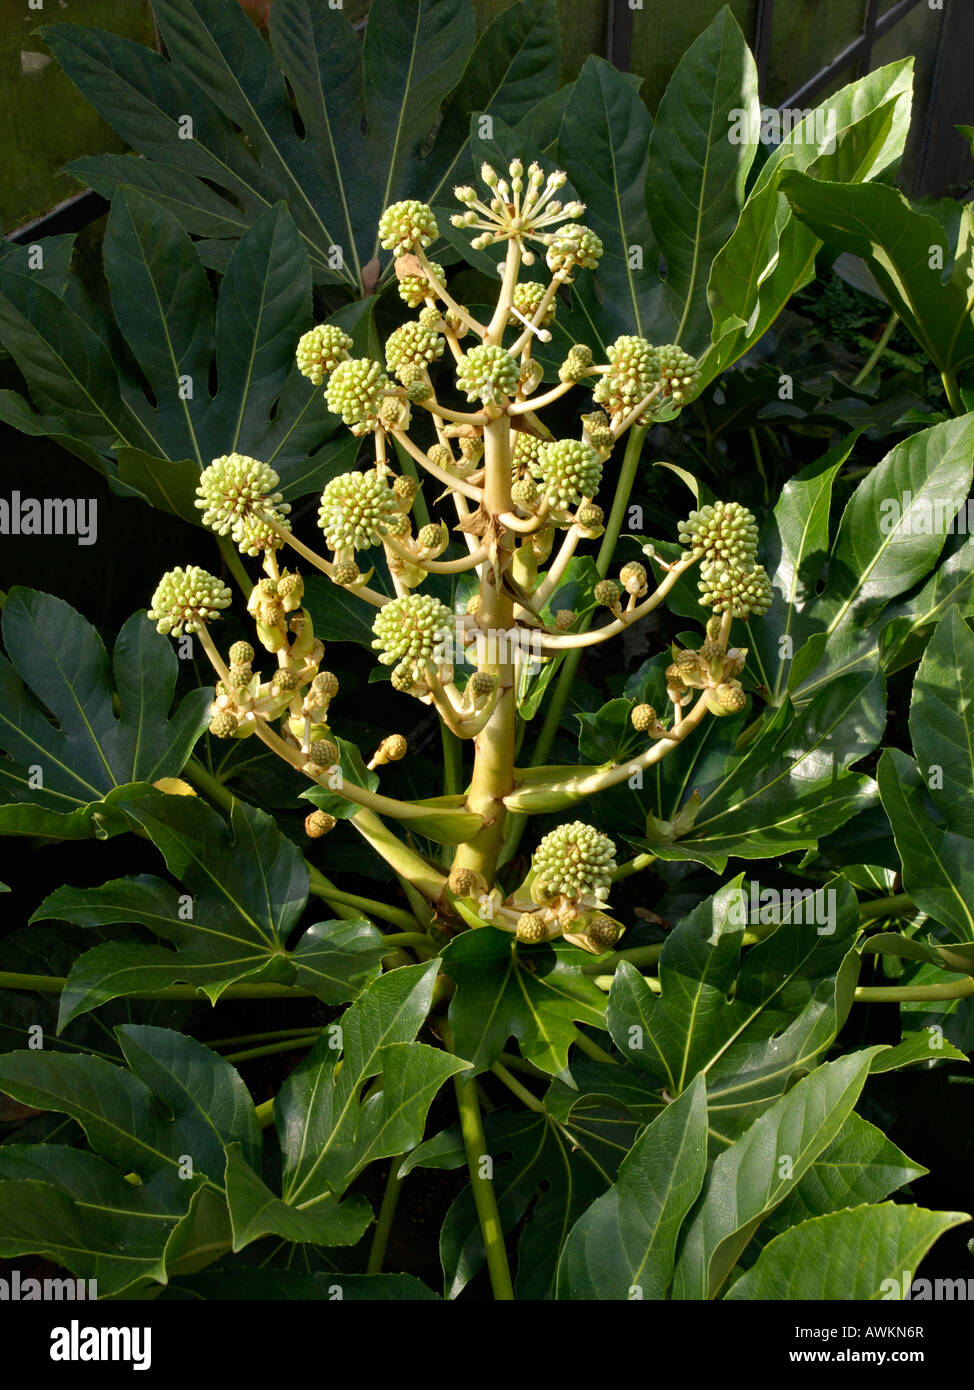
(237, 495)
(725, 532)
(186, 600)
(407, 226)
(487, 373)
(412, 345)
(570, 470)
(355, 510)
(737, 591)
(355, 390)
(575, 860)
(633, 372)
(413, 631)
(320, 350)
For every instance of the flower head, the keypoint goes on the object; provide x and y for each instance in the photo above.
(412, 631)
(724, 533)
(416, 289)
(320, 350)
(185, 600)
(516, 209)
(237, 496)
(407, 226)
(570, 470)
(575, 860)
(632, 374)
(412, 345)
(355, 510)
(487, 373)
(740, 591)
(355, 390)
(573, 248)
(679, 373)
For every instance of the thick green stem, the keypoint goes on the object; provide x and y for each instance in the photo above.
(234, 564)
(634, 866)
(383, 1226)
(268, 1049)
(324, 888)
(514, 1086)
(54, 984)
(949, 380)
(894, 994)
(452, 762)
(569, 670)
(899, 905)
(482, 1186)
(592, 1049)
(878, 350)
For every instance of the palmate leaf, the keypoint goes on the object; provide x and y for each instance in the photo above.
(328, 1130)
(168, 1118)
(863, 1253)
(243, 889)
(157, 442)
(886, 543)
(367, 109)
(64, 779)
(787, 787)
(747, 1181)
(938, 864)
(856, 135)
(942, 722)
(791, 995)
(536, 996)
(901, 245)
(626, 1240)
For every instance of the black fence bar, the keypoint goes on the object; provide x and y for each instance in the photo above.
(618, 38)
(868, 37)
(850, 53)
(763, 28)
(941, 162)
(70, 216)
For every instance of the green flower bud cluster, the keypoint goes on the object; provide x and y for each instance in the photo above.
(527, 300)
(412, 345)
(487, 373)
(416, 289)
(570, 470)
(482, 685)
(634, 579)
(679, 373)
(590, 519)
(318, 823)
(725, 533)
(237, 495)
(730, 696)
(433, 539)
(598, 431)
(355, 510)
(572, 248)
(607, 593)
(645, 719)
(524, 493)
(407, 226)
(632, 374)
(531, 929)
(577, 364)
(320, 350)
(738, 591)
(575, 860)
(412, 631)
(355, 390)
(526, 453)
(185, 600)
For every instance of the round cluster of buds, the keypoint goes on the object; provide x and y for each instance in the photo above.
(565, 619)
(412, 345)
(633, 372)
(528, 296)
(320, 350)
(678, 372)
(318, 823)
(576, 861)
(634, 579)
(724, 533)
(570, 470)
(433, 539)
(576, 365)
(589, 520)
(223, 724)
(466, 883)
(645, 720)
(238, 497)
(524, 493)
(186, 600)
(532, 928)
(598, 431)
(730, 696)
(482, 685)
(607, 593)
(412, 631)
(526, 453)
(355, 390)
(415, 289)
(407, 226)
(355, 510)
(602, 932)
(738, 591)
(571, 249)
(392, 749)
(487, 373)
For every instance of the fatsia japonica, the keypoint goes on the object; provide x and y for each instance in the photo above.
(522, 499)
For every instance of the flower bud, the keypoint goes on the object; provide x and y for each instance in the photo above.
(318, 823)
(531, 929)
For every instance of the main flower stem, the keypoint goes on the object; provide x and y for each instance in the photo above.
(383, 1227)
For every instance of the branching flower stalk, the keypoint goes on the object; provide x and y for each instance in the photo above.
(523, 502)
